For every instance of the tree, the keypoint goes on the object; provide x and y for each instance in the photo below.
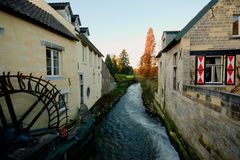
(147, 66)
(115, 64)
(109, 63)
(124, 64)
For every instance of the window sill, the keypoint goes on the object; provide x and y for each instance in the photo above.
(54, 78)
(235, 37)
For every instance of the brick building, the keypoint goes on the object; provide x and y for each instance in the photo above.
(204, 55)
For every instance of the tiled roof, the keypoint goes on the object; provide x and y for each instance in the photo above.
(31, 12)
(189, 26)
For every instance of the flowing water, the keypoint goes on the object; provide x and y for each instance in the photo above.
(128, 133)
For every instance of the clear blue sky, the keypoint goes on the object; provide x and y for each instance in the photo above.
(122, 24)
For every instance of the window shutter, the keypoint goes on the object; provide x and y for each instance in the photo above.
(230, 70)
(200, 70)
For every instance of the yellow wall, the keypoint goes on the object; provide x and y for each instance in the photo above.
(21, 50)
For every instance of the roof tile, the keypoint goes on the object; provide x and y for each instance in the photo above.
(32, 12)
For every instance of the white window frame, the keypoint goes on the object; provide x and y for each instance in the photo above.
(238, 26)
(212, 66)
(52, 63)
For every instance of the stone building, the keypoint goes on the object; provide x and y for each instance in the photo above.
(196, 63)
(35, 38)
(108, 81)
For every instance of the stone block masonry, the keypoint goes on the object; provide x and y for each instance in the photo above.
(208, 120)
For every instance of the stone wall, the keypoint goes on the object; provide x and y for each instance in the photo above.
(108, 82)
(214, 30)
(208, 120)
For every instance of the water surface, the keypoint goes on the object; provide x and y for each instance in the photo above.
(128, 133)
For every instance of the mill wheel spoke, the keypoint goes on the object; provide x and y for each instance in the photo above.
(41, 111)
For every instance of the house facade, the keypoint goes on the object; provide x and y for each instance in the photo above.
(88, 57)
(36, 38)
(203, 56)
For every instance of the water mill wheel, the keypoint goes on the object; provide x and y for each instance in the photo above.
(29, 107)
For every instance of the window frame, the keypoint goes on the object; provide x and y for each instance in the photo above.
(52, 63)
(236, 35)
(175, 71)
(222, 69)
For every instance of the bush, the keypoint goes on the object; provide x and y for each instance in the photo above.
(124, 78)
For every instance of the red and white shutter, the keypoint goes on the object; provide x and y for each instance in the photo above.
(230, 72)
(200, 69)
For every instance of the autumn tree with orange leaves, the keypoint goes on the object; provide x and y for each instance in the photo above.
(148, 68)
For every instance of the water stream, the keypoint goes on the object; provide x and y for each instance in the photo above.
(128, 133)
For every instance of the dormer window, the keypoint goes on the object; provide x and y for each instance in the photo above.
(236, 25)
(67, 17)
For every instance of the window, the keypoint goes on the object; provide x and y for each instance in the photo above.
(96, 60)
(88, 92)
(90, 57)
(83, 54)
(63, 100)
(53, 62)
(214, 69)
(236, 25)
(175, 59)
(175, 71)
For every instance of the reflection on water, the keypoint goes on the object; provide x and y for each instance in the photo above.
(127, 132)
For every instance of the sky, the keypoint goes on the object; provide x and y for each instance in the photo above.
(115, 25)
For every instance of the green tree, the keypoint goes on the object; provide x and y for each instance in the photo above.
(109, 63)
(115, 64)
(124, 64)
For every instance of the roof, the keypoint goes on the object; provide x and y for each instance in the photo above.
(74, 17)
(88, 42)
(61, 5)
(28, 11)
(189, 26)
(84, 30)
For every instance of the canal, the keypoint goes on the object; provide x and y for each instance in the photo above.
(127, 132)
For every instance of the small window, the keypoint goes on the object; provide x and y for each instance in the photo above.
(175, 59)
(175, 78)
(236, 26)
(53, 62)
(63, 100)
(88, 92)
(90, 57)
(175, 71)
(214, 70)
(83, 54)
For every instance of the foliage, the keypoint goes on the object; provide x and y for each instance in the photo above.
(147, 66)
(119, 64)
(115, 64)
(123, 78)
(124, 64)
(109, 63)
